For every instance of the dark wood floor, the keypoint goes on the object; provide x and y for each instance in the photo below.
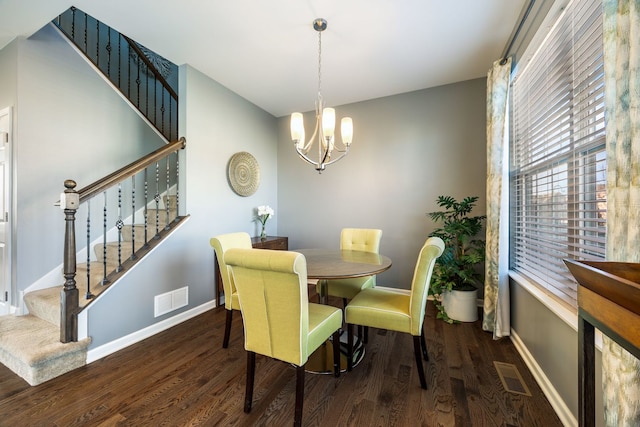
(183, 377)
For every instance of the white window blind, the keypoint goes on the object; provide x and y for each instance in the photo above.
(558, 159)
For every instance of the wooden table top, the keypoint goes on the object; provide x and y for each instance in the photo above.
(339, 264)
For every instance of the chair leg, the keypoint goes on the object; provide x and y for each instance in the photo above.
(423, 344)
(251, 369)
(336, 353)
(227, 329)
(416, 350)
(297, 420)
(349, 347)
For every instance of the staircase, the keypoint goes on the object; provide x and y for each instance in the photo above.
(42, 345)
(30, 345)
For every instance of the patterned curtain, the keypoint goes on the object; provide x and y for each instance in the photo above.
(620, 370)
(496, 286)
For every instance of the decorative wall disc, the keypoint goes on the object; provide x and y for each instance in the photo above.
(244, 173)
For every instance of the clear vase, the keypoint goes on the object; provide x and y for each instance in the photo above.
(263, 233)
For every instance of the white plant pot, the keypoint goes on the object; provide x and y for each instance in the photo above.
(461, 305)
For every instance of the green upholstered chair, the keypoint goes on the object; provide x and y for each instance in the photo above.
(397, 311)
(279, 321)
(221, 244)
(355, 239)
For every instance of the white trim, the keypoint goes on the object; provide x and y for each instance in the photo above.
(569, 316)
(137, 336)
(559, 406)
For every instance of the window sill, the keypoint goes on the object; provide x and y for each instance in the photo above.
(568, 315)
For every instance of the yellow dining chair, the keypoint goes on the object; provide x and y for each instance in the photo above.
(221, 244)
(397, 311)
(355, 239)
(279, 321)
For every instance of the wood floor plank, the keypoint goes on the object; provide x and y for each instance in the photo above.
(183, 377)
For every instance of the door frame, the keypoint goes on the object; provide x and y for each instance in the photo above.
(7, 215)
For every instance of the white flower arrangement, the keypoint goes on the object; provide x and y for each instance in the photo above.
(264, 213)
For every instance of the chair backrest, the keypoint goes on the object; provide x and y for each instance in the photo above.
(361, 239)
(272, 289)
(432, 249)
(221, 244)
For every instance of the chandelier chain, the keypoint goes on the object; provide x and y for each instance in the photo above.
(320, 67)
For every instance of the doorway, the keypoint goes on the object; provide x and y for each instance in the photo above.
(5, 210)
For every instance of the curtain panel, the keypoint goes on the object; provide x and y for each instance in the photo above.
(496, 287)
(620, 370)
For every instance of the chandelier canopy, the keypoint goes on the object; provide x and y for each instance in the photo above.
(323, 133)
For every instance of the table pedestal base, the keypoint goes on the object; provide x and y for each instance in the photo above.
(321, 360)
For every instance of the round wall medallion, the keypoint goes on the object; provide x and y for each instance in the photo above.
(244, 173)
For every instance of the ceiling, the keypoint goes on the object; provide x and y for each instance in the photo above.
(267, 51)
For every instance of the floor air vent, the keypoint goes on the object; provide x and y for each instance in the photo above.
(511, 379)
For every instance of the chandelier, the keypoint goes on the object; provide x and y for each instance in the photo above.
(325, 123)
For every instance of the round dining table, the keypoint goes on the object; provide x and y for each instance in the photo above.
(327, 264)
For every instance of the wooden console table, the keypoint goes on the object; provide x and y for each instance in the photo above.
(270, 242)
(608, 299)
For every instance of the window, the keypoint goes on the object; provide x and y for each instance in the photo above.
(558, 158)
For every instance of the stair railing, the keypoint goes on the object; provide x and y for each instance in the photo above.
(72, 200)
(137, 72)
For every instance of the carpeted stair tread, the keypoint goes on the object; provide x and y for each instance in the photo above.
(45, 303)
(31, 347)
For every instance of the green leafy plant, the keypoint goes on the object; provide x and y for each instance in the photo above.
(458, 266)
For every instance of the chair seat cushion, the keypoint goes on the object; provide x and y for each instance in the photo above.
(324, 320)
(346, 288)
(380, 308)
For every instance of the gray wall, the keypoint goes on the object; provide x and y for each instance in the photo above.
(216, 123)
(67, 119)
(554, 345)
(408, 149)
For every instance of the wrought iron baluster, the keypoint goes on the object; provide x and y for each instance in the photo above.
(128, 71)
(89, 295)
(138, 83)
(104, 241)
(86, 26)
(157, 199)
(119, 61)
(133, 217)
(98, 43)
(109, 53)
(168, 201)
(146, 203)
(177, 185)
(119, 225)
(162, 111)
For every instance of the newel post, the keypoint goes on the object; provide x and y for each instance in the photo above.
(69, 201)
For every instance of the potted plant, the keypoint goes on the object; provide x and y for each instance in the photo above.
(457, 273)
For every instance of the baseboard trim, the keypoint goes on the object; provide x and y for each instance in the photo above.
(121, 343)
(559, 406)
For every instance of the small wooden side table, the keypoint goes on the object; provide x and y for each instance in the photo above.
(270, 242)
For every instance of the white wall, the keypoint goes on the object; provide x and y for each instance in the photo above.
(408, 149)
